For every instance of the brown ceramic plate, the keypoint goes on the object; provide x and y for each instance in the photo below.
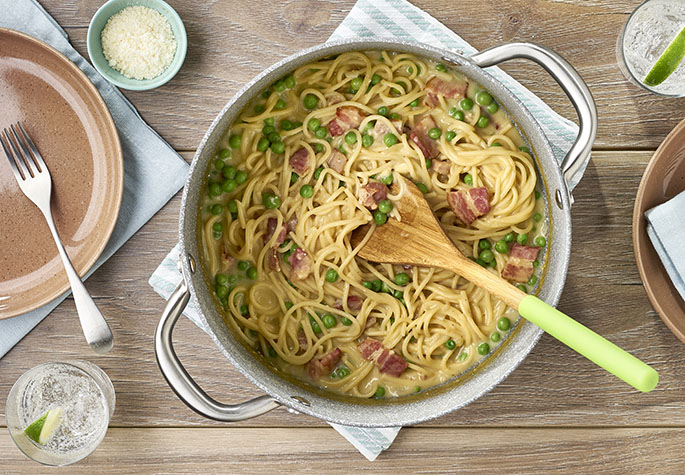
(663, 179)
(69, 122)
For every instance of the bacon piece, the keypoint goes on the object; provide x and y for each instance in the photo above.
(450, 89)
(337, 161)
(271, 224)
(354, 303)
(519, 267)
(300, 160)
(302, 339)
(380, 129)
(371, 194)
(291, 224)
(274, 262)
(226, 258)
(441, 167)
(318, 368)
(419, 135)
(386, 360)
(469, 205)
(347, 117)
(300, 264)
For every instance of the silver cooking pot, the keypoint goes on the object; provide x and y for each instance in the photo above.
(434, 402)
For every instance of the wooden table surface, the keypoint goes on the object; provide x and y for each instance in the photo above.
(556, 411)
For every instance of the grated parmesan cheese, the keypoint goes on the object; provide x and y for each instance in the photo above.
(138, 42)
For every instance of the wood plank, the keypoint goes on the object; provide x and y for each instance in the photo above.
(229, 45)
(487, 450)
(553, 386)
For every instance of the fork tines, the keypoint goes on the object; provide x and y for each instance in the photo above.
(24, 158)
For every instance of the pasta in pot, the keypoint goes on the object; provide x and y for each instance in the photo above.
(308, 162)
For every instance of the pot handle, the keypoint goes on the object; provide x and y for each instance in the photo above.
(181, 382)
(572, 84)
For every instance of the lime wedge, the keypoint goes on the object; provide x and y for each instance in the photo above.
(42, 428)
(668, 62)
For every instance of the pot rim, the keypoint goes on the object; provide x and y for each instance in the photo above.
(501, 362)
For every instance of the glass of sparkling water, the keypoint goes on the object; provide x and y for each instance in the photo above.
(82, 395)
(650, 29)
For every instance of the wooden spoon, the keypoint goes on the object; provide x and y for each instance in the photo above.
(419, 240)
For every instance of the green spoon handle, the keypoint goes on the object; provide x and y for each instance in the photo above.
(589, 344)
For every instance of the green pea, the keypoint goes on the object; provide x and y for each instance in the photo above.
(484, 244)
(466, 104)
(252, 273)
(501, 246)
(224, 153)
(274, 137)
(389, 140)
(481, 262)
(314, 324)
(289, 82)
(385, 288)
(351, 138)
(278, 148)
(240, 177)
(429, 163)
(279, 86)
(243, 265)
(483, 348)
(385, 206)
(345, 321)
(221, 279)
(235, 141)
(524, 149)
(331, 275)
(402, 278)
(422, 188)
(483, 98)
(313, 124)
(268, 130)
(343, 372)
(468, 179)
(286, 125)
(221, 291)
(414, 103)
(495, 337)
(450, 344)
(379, 217)
(377, 285)
(368, 284)
(540, 241)
(463, 355)
(537, 217)
(320, 132)
(367, 140)
(217, 209)
(232, 206)
(492, 107)
(483, 122)
(217, 227)
(522, 288)
(232, 279)
(486, 256)
(387, 180)
(382, 110)
(380, 392)
(280, 104)
(317, 172)
(318, 148)
(453, 111)
(503, 324)
(329, 321)
(434, 133)
(214, 189)
(307, 191)
(293, 178)
(533, 280)
(537, 195)
(288, 304)
(269, 121)
(310, 101)
(219, 164)
(522, 239)
(496, 144)
(356, 83)
(259, 108)
(375, 79)
(228, 186)
(449, 136)
(509, 237)
(536, 263)
(440, 67)
(272, 352)
(271, 201)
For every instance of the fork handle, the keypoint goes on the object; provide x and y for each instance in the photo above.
(95, 328)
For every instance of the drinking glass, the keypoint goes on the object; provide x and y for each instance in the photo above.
(86, 396)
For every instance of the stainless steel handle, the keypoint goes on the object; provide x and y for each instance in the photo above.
(572, 84)
(180, 381)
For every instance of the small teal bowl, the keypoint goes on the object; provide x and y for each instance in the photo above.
(115, 77)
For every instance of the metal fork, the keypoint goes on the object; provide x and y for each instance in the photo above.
(34, 180)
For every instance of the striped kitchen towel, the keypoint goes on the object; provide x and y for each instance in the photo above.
(398, 19)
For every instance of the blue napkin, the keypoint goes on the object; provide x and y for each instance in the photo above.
(666, 229)
(153, 171)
